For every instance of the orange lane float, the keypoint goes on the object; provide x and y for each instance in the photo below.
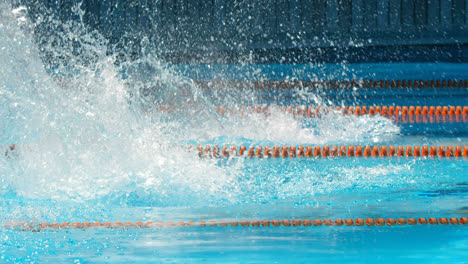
(324, 151)
(405, 114)
(333, 151)
(331, 83)
(357, 222)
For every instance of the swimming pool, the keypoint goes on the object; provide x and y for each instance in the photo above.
(336, 187)
(102, 172)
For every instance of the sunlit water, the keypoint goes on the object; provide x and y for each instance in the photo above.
(101, 140)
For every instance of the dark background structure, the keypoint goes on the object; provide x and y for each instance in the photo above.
(279, 31)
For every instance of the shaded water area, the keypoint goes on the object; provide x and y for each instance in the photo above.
(102, 126)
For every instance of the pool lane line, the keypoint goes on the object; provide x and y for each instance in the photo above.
(291, 151)
(331, 83)
(247, 223)
(327, 151)
(412, 114)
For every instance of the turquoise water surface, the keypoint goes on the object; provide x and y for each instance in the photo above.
(95, 142)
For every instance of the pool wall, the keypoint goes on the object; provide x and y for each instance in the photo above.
(285, 31)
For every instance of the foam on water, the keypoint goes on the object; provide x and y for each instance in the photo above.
(91, 129)
(279, 127)
(89, 138)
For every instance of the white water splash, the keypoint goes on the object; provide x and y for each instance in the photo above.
(94, 134)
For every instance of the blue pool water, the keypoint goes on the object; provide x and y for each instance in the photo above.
(93, 146)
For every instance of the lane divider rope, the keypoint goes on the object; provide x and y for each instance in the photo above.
(332, 83)
(247, 223)
(321, 151)
(327, 151)
(425, 114)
